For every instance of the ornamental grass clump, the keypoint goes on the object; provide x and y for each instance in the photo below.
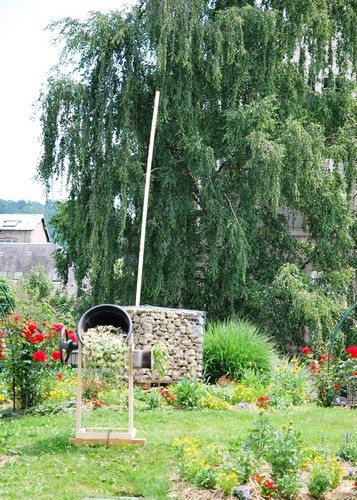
(233, 346)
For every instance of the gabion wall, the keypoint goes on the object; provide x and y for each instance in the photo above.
(183, 329)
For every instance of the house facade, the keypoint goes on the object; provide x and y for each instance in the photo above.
(25, 244)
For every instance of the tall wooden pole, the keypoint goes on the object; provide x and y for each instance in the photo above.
(146, 199)
(141, 260)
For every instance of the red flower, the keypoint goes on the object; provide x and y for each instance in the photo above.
(30, 326)
(32, 340)
(58, 375)
(355, 373)
(306, 350)
(257, 478)
(321, 361)
(56, 355)
(97, 402)
(336, 386)
(216, 465)
(325, 356)
(352, 351)
(39, 337)
(1, 355)
(271, 484)
(40, 356)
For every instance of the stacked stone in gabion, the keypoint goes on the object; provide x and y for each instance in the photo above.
(182, 329)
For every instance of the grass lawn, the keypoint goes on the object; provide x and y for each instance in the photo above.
(38, 462)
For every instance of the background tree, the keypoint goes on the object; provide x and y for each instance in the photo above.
(255, 97)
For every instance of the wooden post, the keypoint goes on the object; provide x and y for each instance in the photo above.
(146, 199)
(79, 390)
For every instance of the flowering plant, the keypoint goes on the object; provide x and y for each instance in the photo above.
(105, 357)
(347, 369)
(323, 375)
(26, 352)
(104, 346)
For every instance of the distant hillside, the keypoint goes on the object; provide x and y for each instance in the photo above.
(30, 207)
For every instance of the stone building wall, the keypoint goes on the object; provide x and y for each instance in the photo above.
(183, 329)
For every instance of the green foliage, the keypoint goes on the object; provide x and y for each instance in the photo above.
(285, 452)
(289, 384)
(37, 284)
(348, 449)
(7, 296)
(27, 349)
(231, 347)
(289, 486)
(35, 299)
(161, 354)
(188, 392)
(324, 476)
(242, 140)
(294, 303)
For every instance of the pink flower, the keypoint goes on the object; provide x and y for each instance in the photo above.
(16, 316)
(72, 335)
(57, 326)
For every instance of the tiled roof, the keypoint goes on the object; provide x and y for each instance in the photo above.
(21, 257)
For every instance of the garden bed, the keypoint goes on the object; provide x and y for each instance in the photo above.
(182, 490)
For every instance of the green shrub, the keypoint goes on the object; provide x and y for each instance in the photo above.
(325, 476)
(7, 295)
(348, 449)
(189, 393)
(290, 384)
(233, 346)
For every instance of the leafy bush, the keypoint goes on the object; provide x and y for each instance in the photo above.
(233, 346)
(189, 393)
(348, 449)
(325, 475)
(28, 352)
(7, 291)
(290, 384)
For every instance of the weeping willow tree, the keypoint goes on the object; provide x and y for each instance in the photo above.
(256, 121)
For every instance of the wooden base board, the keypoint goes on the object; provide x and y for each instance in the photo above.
(108, 442)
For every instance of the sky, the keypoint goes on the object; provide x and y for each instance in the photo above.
(27, 55)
